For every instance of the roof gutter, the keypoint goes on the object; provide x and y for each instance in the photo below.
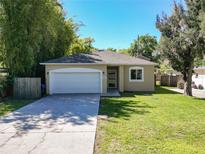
(154, 64)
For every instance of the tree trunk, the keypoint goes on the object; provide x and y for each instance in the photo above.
(188, 83)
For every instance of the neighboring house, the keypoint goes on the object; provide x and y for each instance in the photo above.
(199, 76)
(98, 72)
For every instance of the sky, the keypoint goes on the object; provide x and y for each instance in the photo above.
(116, 23)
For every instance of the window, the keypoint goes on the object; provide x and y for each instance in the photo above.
(136, 74)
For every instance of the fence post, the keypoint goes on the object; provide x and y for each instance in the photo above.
(169, 80)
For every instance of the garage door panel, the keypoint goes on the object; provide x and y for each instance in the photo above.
(76, 82)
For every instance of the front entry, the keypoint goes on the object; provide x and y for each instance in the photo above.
(112, 78)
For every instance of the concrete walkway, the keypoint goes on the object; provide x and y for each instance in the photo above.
(59, 124)
(195, 92)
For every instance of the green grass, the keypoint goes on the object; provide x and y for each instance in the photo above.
(8, 105)
(163, 122)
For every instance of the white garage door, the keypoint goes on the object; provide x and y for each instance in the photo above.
(75, 82)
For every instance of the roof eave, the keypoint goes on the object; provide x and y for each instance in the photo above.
(151, 64)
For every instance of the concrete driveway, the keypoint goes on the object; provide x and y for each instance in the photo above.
(58, 124)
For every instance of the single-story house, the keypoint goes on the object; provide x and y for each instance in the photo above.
(97, 72)
(199, 76)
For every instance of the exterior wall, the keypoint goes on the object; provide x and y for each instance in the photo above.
(103, 68)
(124, 83)
(146, 85)
(200, 72)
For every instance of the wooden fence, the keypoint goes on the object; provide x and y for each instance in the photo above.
(169, 80)
(27, 87)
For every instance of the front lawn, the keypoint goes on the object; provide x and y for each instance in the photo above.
(163, 122)
(8, 105)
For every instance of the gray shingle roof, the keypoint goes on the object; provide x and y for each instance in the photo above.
(102, 57)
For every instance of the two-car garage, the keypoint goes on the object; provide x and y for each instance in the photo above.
(75, 80)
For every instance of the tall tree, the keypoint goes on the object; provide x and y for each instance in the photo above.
(111, 49)
(82, 45)
(181, 41)
(144, 45)
(32, 31)
(123, 51)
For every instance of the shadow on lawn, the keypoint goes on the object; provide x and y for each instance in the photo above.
(114, 107)
(158, 90)
(162, 90)
(117, 108)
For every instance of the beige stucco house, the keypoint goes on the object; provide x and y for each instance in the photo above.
(98, 72)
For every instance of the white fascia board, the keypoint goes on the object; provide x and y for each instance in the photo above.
(97, 64)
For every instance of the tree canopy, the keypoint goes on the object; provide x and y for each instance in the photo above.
(112, 49)
(181, 38)
(31, 32)
(82, 45)
(144, 45)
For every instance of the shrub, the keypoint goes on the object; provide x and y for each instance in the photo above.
(194, 86)
(180, 84)
(6, 86)
(200, 87)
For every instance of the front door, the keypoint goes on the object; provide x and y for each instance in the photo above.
(112, 78)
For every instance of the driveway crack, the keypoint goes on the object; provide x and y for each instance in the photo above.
(36, 146)
(3, 144)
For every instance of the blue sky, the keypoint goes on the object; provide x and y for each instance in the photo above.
(116, 23)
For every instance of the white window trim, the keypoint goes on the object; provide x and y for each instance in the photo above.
(136, 68)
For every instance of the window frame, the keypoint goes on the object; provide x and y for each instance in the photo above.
(136, 68)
